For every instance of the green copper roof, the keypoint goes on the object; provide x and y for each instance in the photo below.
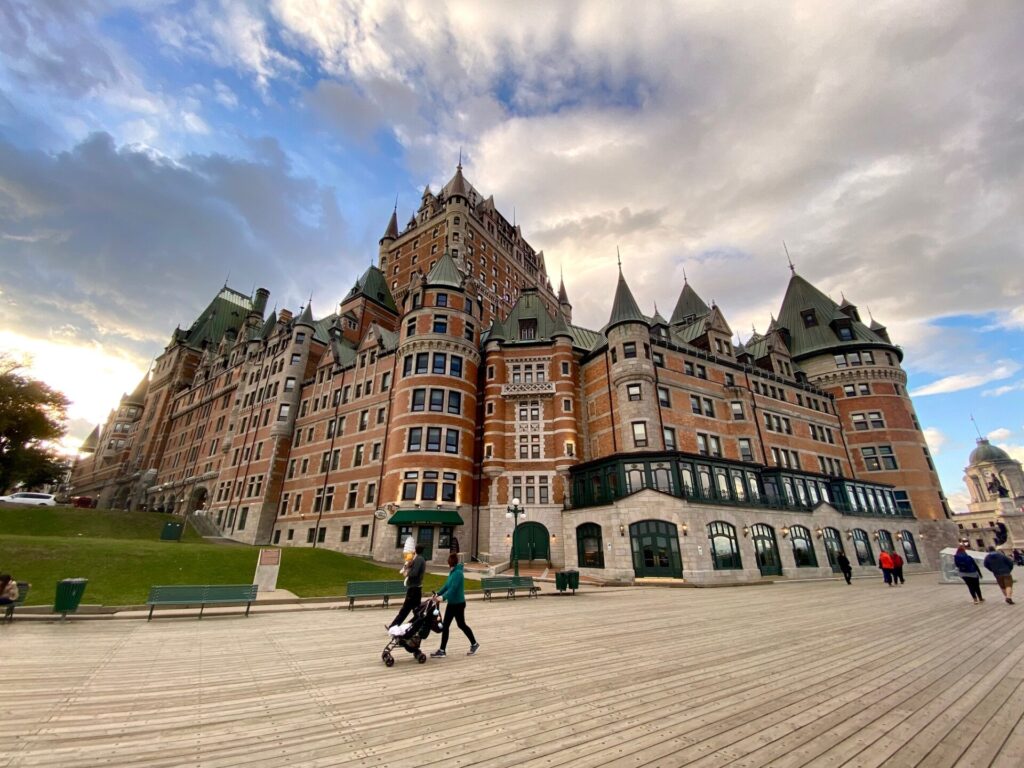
(560, 328)
(306, 318)
(688, 305)
(445, 273)
(374, 286)
(624, 307)
(529, 307)
(268, 327)
(228, 309)
(497, 331)
(821, 336)
(586, 339)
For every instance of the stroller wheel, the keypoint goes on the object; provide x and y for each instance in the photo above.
(421, 658)
(389, 660)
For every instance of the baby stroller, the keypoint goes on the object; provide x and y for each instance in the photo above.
(426, 618)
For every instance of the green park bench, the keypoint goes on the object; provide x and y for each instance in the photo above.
(202, 595)
(23, 587)
(385, 589)
(510, 585)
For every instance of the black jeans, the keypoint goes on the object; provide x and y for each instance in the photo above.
(413, 597)
(897, 575)
(973, 586)
(847, 575)
(455, 612)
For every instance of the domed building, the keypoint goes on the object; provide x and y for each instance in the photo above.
(995, 482)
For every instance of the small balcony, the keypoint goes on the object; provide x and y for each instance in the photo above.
(528, 389)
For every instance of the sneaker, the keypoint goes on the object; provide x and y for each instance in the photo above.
(1009, 601)
(438, 654)
(473, 649)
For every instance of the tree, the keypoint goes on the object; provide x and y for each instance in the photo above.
(32, 415)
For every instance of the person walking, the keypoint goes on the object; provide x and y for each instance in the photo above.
(844, 565)
(8, 589)
(897, 569)
(969, 572)
(454, 591)
(413, 587)
(1001, 567)
(885, 563)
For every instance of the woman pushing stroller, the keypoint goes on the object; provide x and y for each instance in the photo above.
(454, 591)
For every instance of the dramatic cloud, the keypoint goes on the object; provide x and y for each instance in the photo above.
(959, 381)
(117, 245)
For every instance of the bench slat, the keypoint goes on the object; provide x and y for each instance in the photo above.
(385, 589)
(202, 595)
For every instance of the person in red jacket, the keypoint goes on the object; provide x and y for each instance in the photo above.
(885, 563)
(897, 569)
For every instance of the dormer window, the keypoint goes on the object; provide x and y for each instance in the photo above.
(528, 330)
(810, 318)
(845, 333)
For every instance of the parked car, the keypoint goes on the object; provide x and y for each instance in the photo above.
(32, 499)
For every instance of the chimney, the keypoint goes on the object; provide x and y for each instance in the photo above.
(259, 304)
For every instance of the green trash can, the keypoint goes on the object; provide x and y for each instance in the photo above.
(573, 579)
(69, 595)
(172, 531)
(561, 582)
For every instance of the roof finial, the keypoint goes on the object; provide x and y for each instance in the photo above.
(513, 216)
(685, 279)
(788, 259)
(228, 277)
(976, 427)
(872, 317)
(396, 202)
(618, 257)
(460, 158)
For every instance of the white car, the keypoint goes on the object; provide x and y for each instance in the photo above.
(33, 499)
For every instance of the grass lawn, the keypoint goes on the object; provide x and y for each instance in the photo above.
(120, 554)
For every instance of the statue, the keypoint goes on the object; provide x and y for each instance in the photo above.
(997, 488)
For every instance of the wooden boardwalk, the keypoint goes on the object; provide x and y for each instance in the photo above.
(800, 674)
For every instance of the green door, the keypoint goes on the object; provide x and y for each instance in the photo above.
(766, 550)
(532, 542)
(655, 546)
(833, 546)
(425, 536)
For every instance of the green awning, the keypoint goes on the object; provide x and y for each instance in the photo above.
(426, 517)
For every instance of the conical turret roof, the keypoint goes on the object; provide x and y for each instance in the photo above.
(391, 233)
(445, 273)
(563, 297)
(89, 444)
(497, 331)
(457, 186)
(268, 327)
(373, 285)
(624, 307)
(560, 327)
(809, 335)
(306, 318)
(689, 305)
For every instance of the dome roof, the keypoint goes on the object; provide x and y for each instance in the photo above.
(988, 452)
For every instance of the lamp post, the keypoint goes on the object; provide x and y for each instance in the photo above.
(514, 512)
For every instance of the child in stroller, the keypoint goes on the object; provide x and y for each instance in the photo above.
(426, 618)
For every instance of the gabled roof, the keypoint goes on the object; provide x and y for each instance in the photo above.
(228, 309)
(624, 306)
(268, 327)
(373, 285)
(586, 339)
(445, 273)
(801, 297)
(689, 304)
(529, 306)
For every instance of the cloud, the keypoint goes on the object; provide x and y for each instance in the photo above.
(115, 245)
(1003, 390)
(935, 439)
(999, 435)
(960, 381)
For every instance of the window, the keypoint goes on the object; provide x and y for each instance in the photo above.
(454, 402)
(442, 300)
(419, 399)
(440, 324)
(296, 359)
(437, 400)
(434, 439)
(415, 439)
(289, 384)
(451, 441)
(803, 548)
(440, 363)
(664, 398)
(633, 392)
(404, 531)
(628, 350)
(746, 453)
(659, 360)
(737, 410)
(809, 317)
(639, 434)
(670, 439)
(695, 404)
(346, 531)
(709, 407)
(725, 552)
(527, 329)
(456, 366)
(364, 531)
(879, 458)
(283, 411)
(565, 369)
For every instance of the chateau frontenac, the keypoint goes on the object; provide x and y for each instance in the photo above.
(451, 380)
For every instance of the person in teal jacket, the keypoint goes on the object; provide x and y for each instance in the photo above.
(454, 592)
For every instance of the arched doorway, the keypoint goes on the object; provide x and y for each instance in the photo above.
(197, 501)
(833, 547)
(589, 546)
(655, 546)
(532, 542)
(766, 550)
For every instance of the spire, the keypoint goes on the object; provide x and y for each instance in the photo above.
(624, 306)
(563, 297)
(268, 327)
(306, 318)
(457, 186)
(497, 331)
(689, 305)
(391, 233)
(792, 269)
(658, 319)
(561, 328)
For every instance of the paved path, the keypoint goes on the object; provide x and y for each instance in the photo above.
(790, 675)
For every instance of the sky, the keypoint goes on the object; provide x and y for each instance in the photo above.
(151, 150)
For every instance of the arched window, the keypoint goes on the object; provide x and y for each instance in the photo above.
(662, 479)
(862, 546)
(634, 480)
(833, 546)
(705, 482)
(686, 472)
(909, 547)
(589, 546)
(803, 547)
(725, 549)
(885, 540)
